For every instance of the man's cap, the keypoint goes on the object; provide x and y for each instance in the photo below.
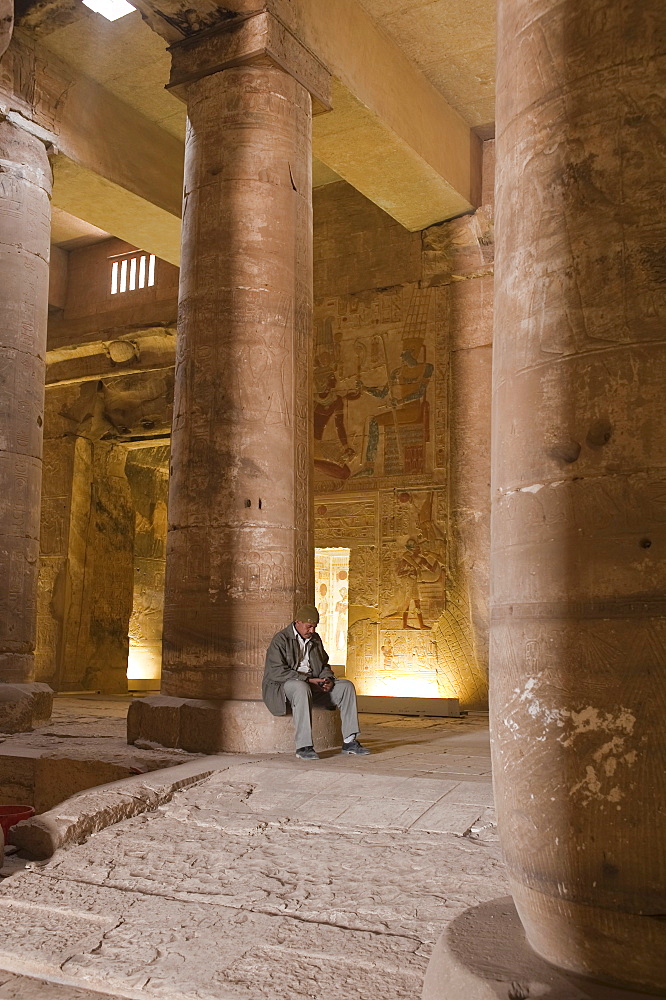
(307, 613)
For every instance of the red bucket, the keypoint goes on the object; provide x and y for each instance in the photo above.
(9, 815)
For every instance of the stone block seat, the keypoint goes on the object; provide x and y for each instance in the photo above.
(211, 727)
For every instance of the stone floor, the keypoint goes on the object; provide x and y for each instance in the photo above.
(273, 878)
(90, 727)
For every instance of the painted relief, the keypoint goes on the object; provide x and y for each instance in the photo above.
(332, 599)
(373, 388)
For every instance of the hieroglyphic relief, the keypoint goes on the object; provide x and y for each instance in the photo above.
(362, 649)
(38, 86)
(413, 559)
(341, 521)
(408, 665)
(363, 575)
(374, 387)
(397, 587)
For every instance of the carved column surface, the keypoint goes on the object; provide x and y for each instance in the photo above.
(25, 188)
(239, 544)
(578, 637)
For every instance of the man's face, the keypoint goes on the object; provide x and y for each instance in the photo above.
(305, 629)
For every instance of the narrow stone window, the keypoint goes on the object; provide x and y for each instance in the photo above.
(133, 271)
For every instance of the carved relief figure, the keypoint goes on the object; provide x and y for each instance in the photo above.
(329, 402)
(405, 388)
(341, 619)
(371, 377)
(409, 568)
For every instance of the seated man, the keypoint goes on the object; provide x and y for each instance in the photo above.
(296, 670)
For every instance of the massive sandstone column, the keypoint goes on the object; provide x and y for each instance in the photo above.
(578, 645)
(239, 548)
(25, 214)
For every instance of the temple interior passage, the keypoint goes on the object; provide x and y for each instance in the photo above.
(357, 305)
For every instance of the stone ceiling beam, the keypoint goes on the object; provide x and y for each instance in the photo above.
(112, 207)
(114, 168)
(390, 134)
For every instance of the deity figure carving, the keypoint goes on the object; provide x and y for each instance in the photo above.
(406, 388)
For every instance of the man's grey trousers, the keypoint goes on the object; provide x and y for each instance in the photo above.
(299, 694)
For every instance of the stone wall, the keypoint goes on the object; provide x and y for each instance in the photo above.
(403, 325)
(107, 419)
(90, 311)
(86, 563)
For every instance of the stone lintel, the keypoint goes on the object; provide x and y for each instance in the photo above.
(244, 40)
(201, 726)
(144, 350)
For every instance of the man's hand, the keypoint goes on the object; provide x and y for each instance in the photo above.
(325, 683)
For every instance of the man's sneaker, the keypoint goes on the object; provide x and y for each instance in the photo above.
(308, 753)
(354, 747)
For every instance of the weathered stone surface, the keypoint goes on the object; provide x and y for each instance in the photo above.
(6, 24)
(147, 471)
(23, 706)
(258, 37)
(87, 535)
(29, 988)
(74, 820)
(25, 188)
(239, 447)
(271, 878)
(408, 706)
(211, 726)
(144, 348)
(39, 778)
(579, 448)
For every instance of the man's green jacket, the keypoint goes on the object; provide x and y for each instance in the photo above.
(282, 659)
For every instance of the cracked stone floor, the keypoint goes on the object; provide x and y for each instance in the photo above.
(273, 878)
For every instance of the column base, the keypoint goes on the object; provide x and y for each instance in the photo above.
(24, 706)
(484, 955)
(224, 726)
(626, 949)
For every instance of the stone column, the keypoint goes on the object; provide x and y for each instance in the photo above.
(25, 190)
(239, 547)
(578, 633)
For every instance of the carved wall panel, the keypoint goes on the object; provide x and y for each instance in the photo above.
(384, 360)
